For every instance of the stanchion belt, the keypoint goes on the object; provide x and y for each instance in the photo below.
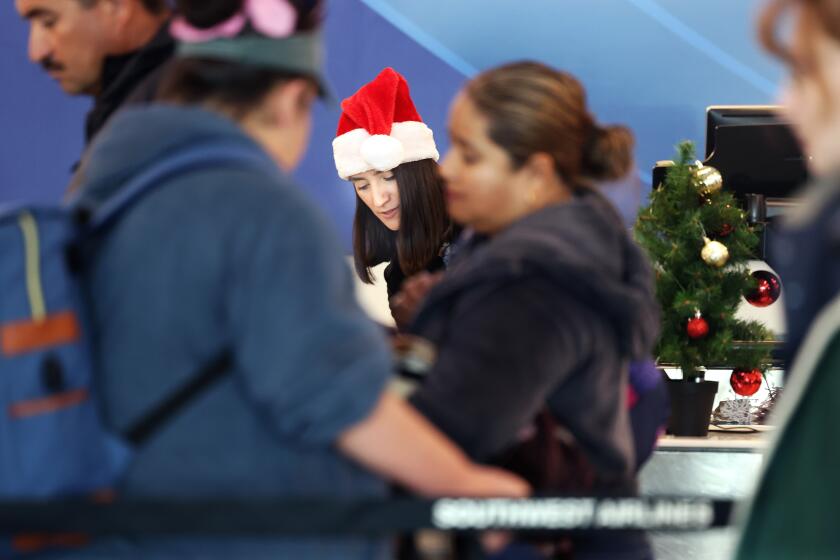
(365, 516)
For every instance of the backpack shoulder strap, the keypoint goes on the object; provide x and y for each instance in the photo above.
(160, 414)
(196, 157)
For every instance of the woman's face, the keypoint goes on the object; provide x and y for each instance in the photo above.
(379, 191)
(812, 100)
(483, 191)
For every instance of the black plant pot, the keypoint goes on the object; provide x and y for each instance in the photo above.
(691, 407)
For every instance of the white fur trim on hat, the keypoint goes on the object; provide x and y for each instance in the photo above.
(382, 152)
(357, 151)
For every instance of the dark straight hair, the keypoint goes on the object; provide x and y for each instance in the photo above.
(424, 224)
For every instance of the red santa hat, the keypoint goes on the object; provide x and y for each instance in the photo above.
(380, 128)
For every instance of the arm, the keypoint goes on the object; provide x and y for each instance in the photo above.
(315, 367)
(399, 444)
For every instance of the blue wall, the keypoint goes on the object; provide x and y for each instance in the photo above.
(652, 64)
(40, 127)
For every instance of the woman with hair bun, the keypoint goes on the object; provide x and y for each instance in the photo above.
(537, 318)
(237, 258)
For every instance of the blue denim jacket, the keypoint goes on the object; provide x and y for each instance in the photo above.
(221, 258)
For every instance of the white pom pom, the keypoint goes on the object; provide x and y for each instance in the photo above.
(382, 152)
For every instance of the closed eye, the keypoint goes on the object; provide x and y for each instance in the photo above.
(44, 17)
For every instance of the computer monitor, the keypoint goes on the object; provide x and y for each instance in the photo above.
(755, 150)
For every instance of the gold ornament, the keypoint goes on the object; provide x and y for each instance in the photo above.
(714, 253)
(709, 180)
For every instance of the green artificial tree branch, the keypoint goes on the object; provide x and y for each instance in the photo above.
(671, 230)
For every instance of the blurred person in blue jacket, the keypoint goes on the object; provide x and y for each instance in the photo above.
(239, 258)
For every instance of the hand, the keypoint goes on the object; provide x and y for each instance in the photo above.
(405, 304)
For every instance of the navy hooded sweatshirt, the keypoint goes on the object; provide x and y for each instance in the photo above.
(548, 311)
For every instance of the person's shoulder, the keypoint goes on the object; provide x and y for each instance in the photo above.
(252, 192)
(249, 211)
(530, 294)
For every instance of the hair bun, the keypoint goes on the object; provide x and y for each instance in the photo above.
(609, 153)
(204, 14)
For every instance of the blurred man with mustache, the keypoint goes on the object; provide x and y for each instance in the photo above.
(108, 49)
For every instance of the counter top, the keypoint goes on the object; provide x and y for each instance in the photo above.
(746, 439)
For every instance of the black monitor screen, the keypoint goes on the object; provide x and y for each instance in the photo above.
(755, 150)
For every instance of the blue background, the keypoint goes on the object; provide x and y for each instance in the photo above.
(651, 64)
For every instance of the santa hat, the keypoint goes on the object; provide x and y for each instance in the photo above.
(379, 128)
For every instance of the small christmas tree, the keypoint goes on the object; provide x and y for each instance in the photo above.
(699, 241)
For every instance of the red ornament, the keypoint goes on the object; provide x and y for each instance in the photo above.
(697, 327)
(768, 290)
(744, 382)
(725, 230)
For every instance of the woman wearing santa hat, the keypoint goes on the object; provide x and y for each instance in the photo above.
(383, 147)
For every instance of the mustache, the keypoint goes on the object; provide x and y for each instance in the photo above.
(49, 64)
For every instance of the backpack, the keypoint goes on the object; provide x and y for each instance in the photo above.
(53, 442)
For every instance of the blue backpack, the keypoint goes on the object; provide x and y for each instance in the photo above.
(52, 439)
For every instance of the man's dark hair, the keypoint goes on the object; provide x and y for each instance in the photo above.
(152, 6)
